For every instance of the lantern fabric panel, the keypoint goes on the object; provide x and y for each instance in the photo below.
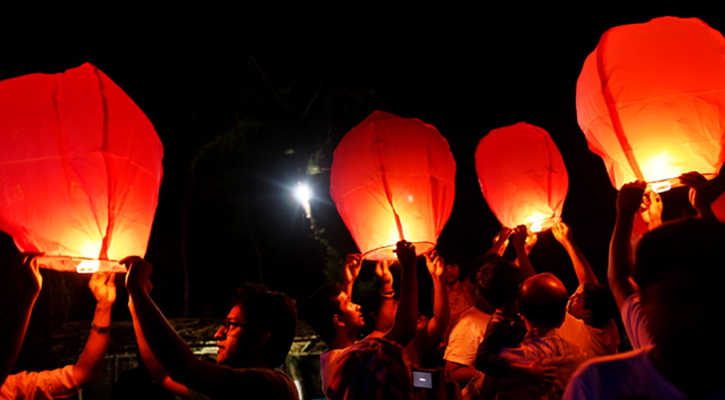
(393, 178)
(80, 168)
(522, 176)
(651, 100)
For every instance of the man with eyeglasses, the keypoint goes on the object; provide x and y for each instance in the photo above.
(254, 339)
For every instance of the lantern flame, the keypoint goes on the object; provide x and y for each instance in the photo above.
(536, 226)
(88, 266)
(659, 187)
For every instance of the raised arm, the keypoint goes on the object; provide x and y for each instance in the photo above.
(500, 242)
(619, 271)
(158, 373)
(89, 366)
(441, 312)
(386, 311)
(171, 352)
(20, 288)
(405, 322)
(353, 262)
(703, 192)
(518, 241)
(583, 270)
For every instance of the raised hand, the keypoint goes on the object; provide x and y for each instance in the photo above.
(501, 242)
(139, 270)
(518, 237)
(435, 264)
(406, 253)
(651, 209)
(561, 233)
(352, 265)
(630, 197)
(25, 273)
(103, 287)
(382, 270)
(702, 191)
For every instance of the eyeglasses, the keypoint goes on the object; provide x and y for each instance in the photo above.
(229, 323)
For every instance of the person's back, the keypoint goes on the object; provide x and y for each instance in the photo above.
(542, 305)
(678, 272)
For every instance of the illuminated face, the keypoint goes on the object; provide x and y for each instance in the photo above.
(451, 274)
(235, 339)
(575, 306)
(350, 314)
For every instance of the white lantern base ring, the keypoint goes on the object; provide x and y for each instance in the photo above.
(667, 184)
(79, 265)
(386, 252)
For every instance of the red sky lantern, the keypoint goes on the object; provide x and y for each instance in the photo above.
(80, 169)
(651, 100)
(393, 178)
(522, 176)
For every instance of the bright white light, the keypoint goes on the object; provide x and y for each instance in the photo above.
(304, 193)
(659, 187)
(88, 266)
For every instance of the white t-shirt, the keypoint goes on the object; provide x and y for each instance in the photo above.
(635, 322)
(594, 342)
(328, 361)
(465, 337)
(628, 375)
(40, 385)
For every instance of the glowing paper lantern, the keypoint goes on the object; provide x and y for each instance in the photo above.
(393, 178)
(80, 169)
(651, 100)
(522, 176)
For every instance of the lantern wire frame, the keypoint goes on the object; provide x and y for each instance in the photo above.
(81, 265)
(670, 183)
(388, 252)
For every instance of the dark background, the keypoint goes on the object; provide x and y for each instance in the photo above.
(247, 104)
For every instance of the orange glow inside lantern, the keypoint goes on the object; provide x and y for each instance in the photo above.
(522, 176)
(393, 178)
(651, 101)
(80, 170)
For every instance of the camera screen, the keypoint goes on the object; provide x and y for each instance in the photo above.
(423, 379)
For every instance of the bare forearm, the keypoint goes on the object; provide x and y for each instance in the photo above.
(527, 270)
(12, 332)
(620, 259)
(583, 270)
(171, 352)
(462, 374)
(89, 366)
(441, 312)
(159, 375)
(406, 316)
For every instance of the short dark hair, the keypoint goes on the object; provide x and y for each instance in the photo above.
(320, 309)
(676, 248)
(543, 307)
(498, 282)
(476, 266)
(599, 300)
(371, 369)
(274, 312)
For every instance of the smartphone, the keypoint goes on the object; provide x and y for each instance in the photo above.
(425, 379)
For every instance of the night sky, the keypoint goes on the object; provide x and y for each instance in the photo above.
(245, 109)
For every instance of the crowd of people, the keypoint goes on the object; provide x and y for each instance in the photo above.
(500, 331)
